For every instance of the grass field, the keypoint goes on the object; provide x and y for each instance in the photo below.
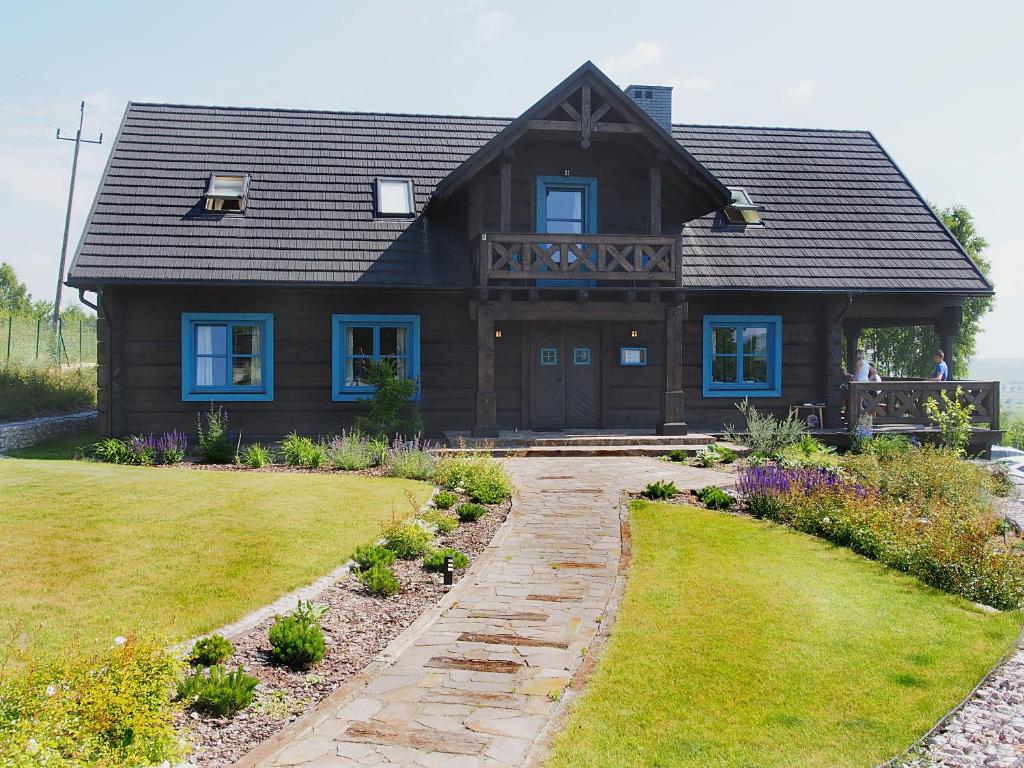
(741, 643)
(89, 551)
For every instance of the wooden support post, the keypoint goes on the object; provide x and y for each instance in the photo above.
(673, 422)
(853, 332)
(655, 200)
(948, 328)
(832, 339)
(585, 118)
(486, 399)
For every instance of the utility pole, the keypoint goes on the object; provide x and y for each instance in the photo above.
(67, 219)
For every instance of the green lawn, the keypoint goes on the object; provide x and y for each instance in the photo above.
(89, 551)
(741, 643)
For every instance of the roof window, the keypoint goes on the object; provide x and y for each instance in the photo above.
(226, 192)
(742, 210)
(394, 197)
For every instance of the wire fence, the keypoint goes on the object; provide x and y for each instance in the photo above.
(31, 341)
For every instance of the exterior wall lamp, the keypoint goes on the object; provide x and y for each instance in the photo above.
(497, 333)
(634, 333)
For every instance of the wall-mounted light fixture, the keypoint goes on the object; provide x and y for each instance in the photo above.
(497, 333)
(566, 172)
(633, 334)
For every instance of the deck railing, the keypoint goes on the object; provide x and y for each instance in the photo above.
(509, 256)
(903, 402)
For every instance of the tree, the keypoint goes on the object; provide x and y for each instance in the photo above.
(14, 296)
(905, 352)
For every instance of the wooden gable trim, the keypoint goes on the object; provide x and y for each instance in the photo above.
(590, 80)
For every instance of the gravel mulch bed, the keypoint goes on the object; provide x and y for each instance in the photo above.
(356, 627)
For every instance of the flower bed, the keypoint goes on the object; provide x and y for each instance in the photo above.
(924, 512)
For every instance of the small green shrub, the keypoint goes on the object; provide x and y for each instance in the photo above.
(298, 451)
(28, 392)
(112, 451)
(678, 455)
(392, 411)
(214, 437)
(765, 434)
(708, 457)
(408, 539)
(255, 456)
(370, 555)
(217, 692)
(808, 452)
(727, 454)
(113, 709)
(143, 449)
(714, 497)
(953, 419)
(445, 499)
(297, 641)
(480, 476)
(443, 522)
(354, 451)
(410, 459)
(379, 580)
(470, 512)
(434, 561)
(660, 490)
(1001, 482)
(885, 447)
(211, 650)
(172, 447)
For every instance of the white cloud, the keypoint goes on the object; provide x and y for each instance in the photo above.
(636, 61)
(800, 92)
(490, 24)
(695, 84)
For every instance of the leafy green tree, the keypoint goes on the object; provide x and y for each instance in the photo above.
(905, 352)
(14, 296)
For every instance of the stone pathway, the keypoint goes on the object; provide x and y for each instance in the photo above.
(476, 682)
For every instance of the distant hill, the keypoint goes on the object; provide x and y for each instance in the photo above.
(1009, 372)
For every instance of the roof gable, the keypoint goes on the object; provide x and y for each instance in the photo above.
(579, 103)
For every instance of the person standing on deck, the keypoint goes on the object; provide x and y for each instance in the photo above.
(941, 371)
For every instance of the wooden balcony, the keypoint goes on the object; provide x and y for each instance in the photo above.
(902, 402)
(618, 259)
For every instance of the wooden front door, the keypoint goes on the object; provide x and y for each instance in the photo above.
(565, 379)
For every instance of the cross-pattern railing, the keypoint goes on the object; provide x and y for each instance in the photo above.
(510, 256)
(902, 402)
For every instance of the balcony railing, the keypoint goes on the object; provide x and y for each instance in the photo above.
(621, 258)
(902, 402)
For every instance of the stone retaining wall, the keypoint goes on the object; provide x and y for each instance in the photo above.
(23, 434)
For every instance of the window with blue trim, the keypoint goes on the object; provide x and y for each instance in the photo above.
(742, 356)
(359, 339)
(227, 356)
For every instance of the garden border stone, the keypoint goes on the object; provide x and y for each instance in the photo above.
(28, 432)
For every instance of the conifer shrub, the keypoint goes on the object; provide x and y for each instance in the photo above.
(445, 499)
(369, 555)
(211, 650)
(379, 580)
(434, 560)
(470, 512)
(217, 692)
(297, 641)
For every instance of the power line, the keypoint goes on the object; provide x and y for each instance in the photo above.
(67, 219)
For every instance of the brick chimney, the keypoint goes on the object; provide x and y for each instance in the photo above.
(655, 100)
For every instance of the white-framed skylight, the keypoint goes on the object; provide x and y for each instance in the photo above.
(394, 197)
(742, 210)
(227, 192)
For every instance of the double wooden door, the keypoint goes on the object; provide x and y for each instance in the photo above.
(565, 377)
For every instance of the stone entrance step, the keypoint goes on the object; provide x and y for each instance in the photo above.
(568, 443)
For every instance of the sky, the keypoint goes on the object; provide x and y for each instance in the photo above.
(937, 82)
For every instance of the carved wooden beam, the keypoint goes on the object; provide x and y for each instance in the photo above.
(585, 119)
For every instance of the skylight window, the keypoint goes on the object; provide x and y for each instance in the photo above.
(742, 210)
(394, 197)
(226, 192)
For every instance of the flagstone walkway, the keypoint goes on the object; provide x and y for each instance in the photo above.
(473, 683)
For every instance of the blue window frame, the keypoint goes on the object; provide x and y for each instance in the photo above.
(567, 205)
(227, 356)
(742, 356)
(357, 339)
(581, 355)
(549, 356)
(630, 357)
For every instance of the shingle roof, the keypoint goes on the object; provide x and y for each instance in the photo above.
(838, 213)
